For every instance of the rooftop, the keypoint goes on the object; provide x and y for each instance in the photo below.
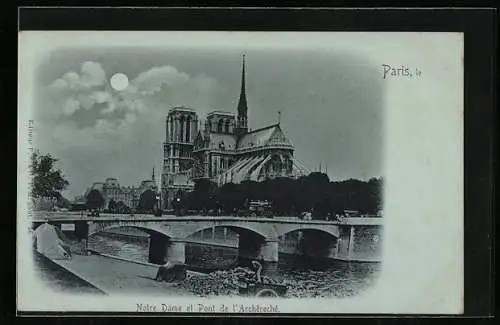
(263, 128)
(269, 135)
(181, 108)
(220, 113)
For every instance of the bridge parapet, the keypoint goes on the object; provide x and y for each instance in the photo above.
(348, 237)
(362, 221)
(65, 216)
(268, 231)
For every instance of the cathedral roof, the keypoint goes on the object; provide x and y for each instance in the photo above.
(270, 135)
(228, 140)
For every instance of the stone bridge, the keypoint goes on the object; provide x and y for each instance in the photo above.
(258, 237)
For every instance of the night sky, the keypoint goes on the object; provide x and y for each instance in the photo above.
(331, 104)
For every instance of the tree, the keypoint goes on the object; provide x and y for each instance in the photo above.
(147, 201)
(95, 200)
(202, 197)
(48, 181)
(112, 206)
(231, 197)
(63, 202)
(314, 192)
(122, 207)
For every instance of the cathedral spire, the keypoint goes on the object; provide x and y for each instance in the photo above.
(242, 104)
(242, 123)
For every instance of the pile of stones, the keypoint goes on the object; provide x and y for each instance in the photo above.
(228, 283)
(223, 283)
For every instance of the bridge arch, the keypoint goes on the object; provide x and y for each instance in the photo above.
(163, 241)
(331, 230)
(256, 241)
(239, 228)
(150, 229)
(312, 241)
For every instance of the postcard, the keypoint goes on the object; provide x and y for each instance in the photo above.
(240, 172)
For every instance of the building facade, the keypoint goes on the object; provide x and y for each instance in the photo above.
(111, 189)
(181, 130)
(225, 151)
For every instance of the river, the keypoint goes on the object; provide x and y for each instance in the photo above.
(306, 277)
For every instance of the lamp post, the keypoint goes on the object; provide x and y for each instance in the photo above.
(177, 206)
(157, 208)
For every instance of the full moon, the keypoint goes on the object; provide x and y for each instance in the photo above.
(119, 81)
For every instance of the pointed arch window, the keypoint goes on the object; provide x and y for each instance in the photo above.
(188, 129)
(170, 128)
(227, 126)
(220, 125)
(181, 133)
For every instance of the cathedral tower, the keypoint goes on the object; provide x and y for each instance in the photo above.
(242, 121)
(181, 129)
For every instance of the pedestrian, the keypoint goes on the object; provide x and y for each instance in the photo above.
(164, 272)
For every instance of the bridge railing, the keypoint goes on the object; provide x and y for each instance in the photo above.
(61, 218)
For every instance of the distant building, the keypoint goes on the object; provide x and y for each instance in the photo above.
(112, 190)
(225, 151)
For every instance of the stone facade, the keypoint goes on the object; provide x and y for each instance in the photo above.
(181, 129)
(225, 151)
(129, 195)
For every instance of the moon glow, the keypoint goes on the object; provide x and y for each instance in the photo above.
(119, 81)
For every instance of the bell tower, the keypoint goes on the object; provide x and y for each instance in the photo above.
(181, 130)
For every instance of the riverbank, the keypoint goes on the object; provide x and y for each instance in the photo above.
(61, 279)
(112, 275)
(305, 276)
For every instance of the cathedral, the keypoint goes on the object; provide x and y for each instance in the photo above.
(224, 151)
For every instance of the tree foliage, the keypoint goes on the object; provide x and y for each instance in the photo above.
(112, 206)
(203, 197)
(48, 182)
(118, 207)
(122, 208)
(147, 201)
(95, 200)
(314, 192)
(63, 202)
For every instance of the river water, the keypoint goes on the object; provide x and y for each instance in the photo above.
(306, 277)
